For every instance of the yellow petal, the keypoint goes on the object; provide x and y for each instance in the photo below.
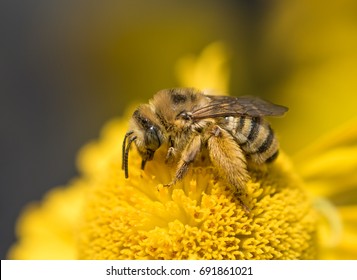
(207, 71)
(329, 165)
(48, 230)
(329, 168)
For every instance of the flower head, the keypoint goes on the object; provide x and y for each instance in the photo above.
(198, 218)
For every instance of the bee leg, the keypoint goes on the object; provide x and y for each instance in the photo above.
(245, 207)
(188, 156)
(228, 158)
(170, 155)
(171, 152)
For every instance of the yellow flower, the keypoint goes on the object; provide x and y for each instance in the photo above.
(199, 218)
(108, 217)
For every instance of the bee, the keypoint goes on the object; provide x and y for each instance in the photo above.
(231, 129)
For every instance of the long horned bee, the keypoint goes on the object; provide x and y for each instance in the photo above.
(232, 129)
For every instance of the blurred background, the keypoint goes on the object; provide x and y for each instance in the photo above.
(67, 67)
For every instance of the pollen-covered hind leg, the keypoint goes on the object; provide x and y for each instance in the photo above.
(228, 158)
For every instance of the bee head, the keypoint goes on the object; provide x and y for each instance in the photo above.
(146, 133)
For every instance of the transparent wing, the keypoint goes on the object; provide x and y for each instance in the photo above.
(222, 106)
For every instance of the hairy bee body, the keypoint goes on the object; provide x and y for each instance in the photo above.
(255, 137)
(232, 130)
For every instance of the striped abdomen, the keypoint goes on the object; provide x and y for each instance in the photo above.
(255, 136)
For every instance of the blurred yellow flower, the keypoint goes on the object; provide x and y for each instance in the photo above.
(48, 230)
(199, 218)
(328, 167)
(314, 43)
(208, 71)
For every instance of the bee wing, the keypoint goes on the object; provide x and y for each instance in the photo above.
(222, 106)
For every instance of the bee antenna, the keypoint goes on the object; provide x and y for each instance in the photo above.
(126, 156)
(123, 148)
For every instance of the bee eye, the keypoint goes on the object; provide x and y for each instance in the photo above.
(152, 138)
